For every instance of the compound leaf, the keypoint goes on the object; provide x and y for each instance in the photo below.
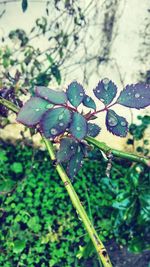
(93, 129)
(53, 96)
(55, 121)
(116, 124)
(78, 126)
(68, 147)
(32, 111)
(135, 96)
(75, 93)
(89, 102)
(105, 91)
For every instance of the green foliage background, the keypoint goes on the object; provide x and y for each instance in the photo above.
(39, 226)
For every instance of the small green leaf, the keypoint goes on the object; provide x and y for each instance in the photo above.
(56, 73)
(34, 225)
(75, 93)
(78, 126)
(19, 246)
(135, 245)
(24, 5)
(16, 167)
(32, 111)
(55, 121)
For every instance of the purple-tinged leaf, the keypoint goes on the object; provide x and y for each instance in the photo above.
(53, 96)
(105, 91)
(78, 126)
(135, 96)
(116, 124)
(33, 110)
(68, 147)
(93, 129)
(75, 93)
(89, 102)
(75, 163)
(54, 122)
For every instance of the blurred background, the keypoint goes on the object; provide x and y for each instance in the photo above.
(55, 42)
(51, 43)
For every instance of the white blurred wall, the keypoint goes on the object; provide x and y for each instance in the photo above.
(124, 50)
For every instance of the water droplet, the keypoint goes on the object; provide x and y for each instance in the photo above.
(112, 121)
(123, 123)
(72, 147)
(98, 91)
(88, 99)
(82, 161)
(61, 124)
(81, 94)
(137, 95)
(105, 80)
(49, 106)
(74, 169)
(60, 116)
(37, 109)
(102, 99)
(79, 149)
(77, 161)
(53, 131)
(78, 128)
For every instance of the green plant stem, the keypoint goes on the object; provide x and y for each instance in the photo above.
(79, 208)
(102, 253)
(9, 105)
(117, 153)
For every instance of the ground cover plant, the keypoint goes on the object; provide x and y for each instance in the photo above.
(56, 116)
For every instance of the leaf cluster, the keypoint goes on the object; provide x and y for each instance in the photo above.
(57, 116)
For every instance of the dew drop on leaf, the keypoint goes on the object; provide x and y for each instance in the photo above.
(61, 124)
(49, 106)
(112, 121)
(79, 149)
(60, 117)
(53, 131)
(123, 123)
(116, 124)
(137, 95)
(106, 80)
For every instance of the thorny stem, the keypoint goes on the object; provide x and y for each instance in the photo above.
(118, 153)
(79, 208)
(103, 109)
